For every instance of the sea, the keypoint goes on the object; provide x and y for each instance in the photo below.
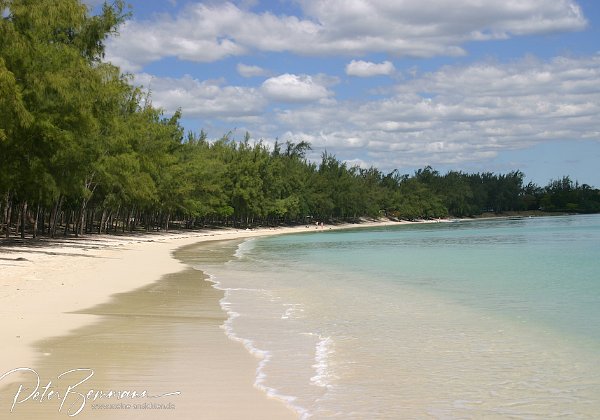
(496, 318)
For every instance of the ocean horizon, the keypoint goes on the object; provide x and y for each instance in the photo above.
(481, 318)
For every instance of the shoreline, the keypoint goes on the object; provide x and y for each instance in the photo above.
(325, 311)
(48, 285)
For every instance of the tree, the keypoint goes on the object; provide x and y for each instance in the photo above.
(48, 49)
(457, 195)
(415, 200)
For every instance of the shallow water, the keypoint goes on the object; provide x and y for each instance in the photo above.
(494, 319)
(165, 339)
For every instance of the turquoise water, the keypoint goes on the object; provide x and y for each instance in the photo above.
(492, 318)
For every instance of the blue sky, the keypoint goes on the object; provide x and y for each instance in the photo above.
(455, 84)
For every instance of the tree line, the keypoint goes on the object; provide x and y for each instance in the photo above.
(82, 150)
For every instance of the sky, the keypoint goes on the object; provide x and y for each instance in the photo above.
(469, 85)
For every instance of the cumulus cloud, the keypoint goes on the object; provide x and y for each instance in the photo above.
(251, 71)
(216, 99)
(214, 31)
(295, 88)
(199, 33)
(367, 69)
(454, 115)
(461, 113)
(206, 98)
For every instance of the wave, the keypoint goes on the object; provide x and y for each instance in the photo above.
(323, 350)
(245, 247)
(264, 356)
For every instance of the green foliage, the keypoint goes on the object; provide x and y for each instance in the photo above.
(566, 196)
(88, 149)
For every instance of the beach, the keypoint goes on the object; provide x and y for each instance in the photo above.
(125, 310)
(485, 318)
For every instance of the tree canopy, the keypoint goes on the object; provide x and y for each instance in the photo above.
(84, 150)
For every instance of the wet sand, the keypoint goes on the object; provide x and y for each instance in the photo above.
(140, 320)
(162, 338)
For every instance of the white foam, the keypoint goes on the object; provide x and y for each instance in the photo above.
(244, 248)
(264, 356)
(323, 350)
(211, 278)
(292, 310)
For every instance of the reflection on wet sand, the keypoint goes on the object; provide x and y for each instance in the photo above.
(164, 338)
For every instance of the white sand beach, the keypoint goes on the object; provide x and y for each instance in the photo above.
(47, 285)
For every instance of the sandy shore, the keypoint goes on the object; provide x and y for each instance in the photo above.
(55, 292)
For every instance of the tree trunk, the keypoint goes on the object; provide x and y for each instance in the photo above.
(130, 219)
(81, 224)
(102, 220)
(54, 216)
(89, 226)
(18, 221)
(116, 219)
(108, 221)
(134, 222)
(43, 221)
(67, 217)
(35, 221)
(76, 219)
(23, 219)
(8, 214)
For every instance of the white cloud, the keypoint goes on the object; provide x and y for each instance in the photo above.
(451, 116)
(214, 31)
(367, 69)
(207, 98)
(294, 88)
(460, 114)
(251, 71)
(199, 34)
